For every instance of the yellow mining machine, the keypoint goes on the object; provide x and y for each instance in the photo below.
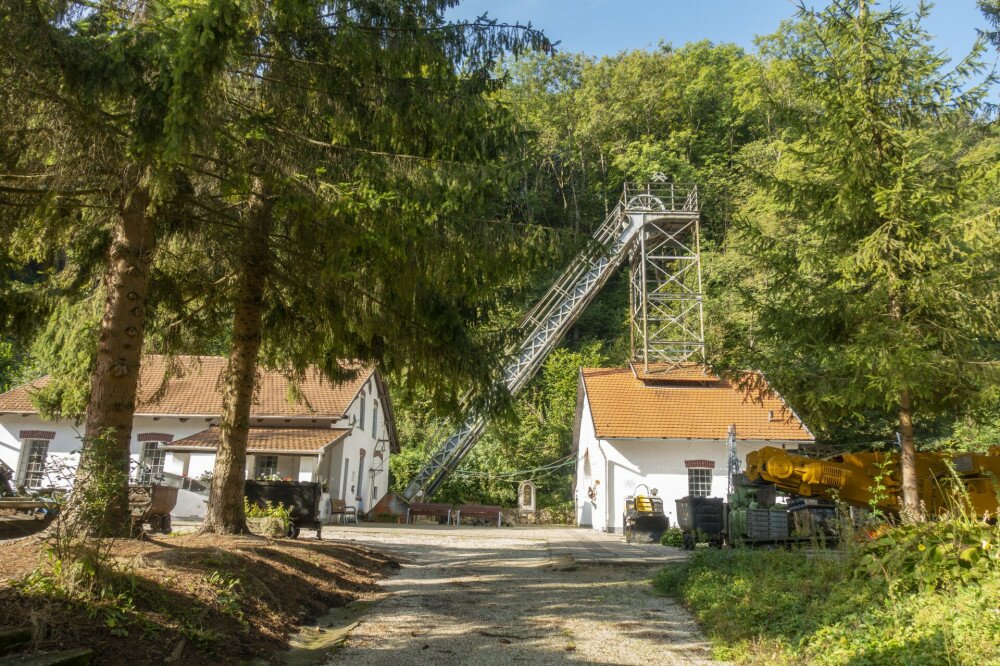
(873, 479)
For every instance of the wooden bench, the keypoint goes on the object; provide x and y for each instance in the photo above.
(438, 510)
(479, 511)
(340, 508)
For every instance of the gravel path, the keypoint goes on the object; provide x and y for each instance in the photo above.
(493, 597)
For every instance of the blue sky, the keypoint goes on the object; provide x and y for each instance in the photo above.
(602, 27)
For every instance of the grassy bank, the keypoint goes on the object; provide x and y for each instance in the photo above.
(864, 605)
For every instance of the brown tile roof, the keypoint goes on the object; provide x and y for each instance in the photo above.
(623, 406)
(266, 440)
(194, 389)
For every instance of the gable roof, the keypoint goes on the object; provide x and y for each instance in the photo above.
(678, 406)
(265, 440)
(194, 388)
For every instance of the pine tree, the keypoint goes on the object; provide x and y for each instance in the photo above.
(102, 107)
(870, 287)
(358, 159)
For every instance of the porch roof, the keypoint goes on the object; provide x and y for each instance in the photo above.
(300, 441)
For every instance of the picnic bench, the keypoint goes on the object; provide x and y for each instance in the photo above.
(484, 511)
(338, 507)
(428, 509)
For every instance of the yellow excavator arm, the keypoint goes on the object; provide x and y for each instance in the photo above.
(872, 479)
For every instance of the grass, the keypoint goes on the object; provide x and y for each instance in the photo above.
(806, 607)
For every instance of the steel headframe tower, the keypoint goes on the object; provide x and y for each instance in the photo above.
(665, 294)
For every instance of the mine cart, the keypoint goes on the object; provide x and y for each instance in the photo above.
(701, 514)
(18, 504)
(152, 504)
(644, 519)
(28, 507)
(301, 498)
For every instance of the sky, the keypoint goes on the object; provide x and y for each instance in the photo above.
(605, 27)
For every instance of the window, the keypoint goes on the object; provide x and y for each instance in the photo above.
(265, 466)
(375, 421)
(699, 482)
(361, 419)
(151, 462)
(33, 456)
(343, 486)
(361, 471)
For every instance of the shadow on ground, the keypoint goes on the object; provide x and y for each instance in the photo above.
(488, 598)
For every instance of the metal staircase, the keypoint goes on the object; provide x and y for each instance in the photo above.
(559, 308)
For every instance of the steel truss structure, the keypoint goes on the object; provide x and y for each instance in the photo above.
(644, 214)
(665, 293)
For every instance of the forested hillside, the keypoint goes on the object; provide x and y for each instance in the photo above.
(804, 156)
(752, 130)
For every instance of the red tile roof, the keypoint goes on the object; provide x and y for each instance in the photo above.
(194, 388)
(625, 407)
(306, 441)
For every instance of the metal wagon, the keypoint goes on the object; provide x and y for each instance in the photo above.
(701, 514)
(302, 498)
(152, 505)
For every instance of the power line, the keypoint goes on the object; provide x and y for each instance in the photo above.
(512, 475)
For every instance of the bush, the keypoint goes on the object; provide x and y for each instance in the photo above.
(938, 554)
(268, 510)
(822, 607)
(673, 537)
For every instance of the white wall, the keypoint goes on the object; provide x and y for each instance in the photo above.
(346, 453)
(589, 463)
(65, 445)
(620, 465)
(362, 437)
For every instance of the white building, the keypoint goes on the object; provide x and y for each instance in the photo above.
(340, 434)
(668, 431)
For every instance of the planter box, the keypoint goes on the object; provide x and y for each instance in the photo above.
(275, 528)
(301, 498)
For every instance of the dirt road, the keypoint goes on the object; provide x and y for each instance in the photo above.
(489, 596)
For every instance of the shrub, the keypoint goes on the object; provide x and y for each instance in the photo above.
(932, 555)
(673, 537)
(268, 510)
(930, 605)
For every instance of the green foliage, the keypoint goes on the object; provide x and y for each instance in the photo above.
(933, 555)
(991, 10)
(228, 593)
(673, 537)
(537, 434)
(268, 510)
(8, 365)
(64, 348)
(861, 269)
(793, 607)
(598, 123)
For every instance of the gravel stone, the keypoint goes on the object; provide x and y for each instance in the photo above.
(509, 596)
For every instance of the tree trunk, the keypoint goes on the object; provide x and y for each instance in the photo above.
(912, 510)
(100, 493)
(225, 513)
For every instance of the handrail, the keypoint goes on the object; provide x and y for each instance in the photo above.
(546, 323)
